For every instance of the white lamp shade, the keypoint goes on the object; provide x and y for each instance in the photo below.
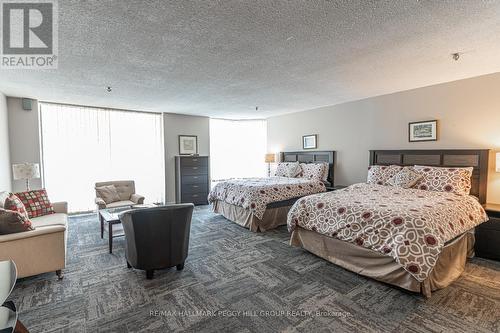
(26, 171)
(498, 163)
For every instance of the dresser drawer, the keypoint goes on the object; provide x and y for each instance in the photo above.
(194, 161)
(195, 188)
(194, 170)
(195, 179)
(196, 198)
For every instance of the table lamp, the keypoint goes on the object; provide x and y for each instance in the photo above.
(270, 158)
(26, 171)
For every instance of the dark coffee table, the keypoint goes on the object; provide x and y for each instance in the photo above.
(8, 312)
(110, 220)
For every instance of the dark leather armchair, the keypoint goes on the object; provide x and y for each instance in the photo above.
(158, 237)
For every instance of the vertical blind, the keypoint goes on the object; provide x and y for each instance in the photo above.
(85, 145)
(237, 148)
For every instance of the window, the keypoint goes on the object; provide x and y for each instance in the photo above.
(237, 149)
(84, 145)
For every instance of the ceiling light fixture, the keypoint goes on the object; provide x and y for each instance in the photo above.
(109, 89)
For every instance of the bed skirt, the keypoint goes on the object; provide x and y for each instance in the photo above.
(273, 217)
(366, 262)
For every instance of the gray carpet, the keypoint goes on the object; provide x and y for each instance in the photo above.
(273, 286)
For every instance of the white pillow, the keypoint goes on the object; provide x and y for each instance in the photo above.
(312, 170)
(288, 169)
(380, 174)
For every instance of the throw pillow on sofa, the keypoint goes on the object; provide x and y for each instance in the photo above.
(36, 202)
(13, 222)
(13, 203)
(3, 195)
(108, 193)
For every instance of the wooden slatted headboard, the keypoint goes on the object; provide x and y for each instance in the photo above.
(312, 157)
(478, 159)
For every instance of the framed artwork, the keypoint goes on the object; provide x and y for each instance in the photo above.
(310, 141)
(422, 131)
(188, 145)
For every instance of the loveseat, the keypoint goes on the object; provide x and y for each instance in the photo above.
(41, 250)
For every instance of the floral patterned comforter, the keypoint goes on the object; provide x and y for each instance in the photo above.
(410, 225)
(255, 193)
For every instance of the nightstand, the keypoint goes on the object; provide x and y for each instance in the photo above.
(335, 188)
(488, 234)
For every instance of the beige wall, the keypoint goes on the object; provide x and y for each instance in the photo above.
(175, 125)
(5, 166)
(468, 112)
(24, 138)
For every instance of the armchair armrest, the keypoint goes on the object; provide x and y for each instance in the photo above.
(60, 207)
(137, 199)
(101, 204)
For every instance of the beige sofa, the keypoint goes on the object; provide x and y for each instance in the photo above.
(41, 250)
(126, 191)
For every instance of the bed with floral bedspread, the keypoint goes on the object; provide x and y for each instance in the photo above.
(410, 225)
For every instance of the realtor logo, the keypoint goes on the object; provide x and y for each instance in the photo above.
(29, 34)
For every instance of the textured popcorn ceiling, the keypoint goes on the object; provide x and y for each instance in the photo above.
(223, 58)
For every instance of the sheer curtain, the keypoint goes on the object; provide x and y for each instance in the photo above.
(237, 148)
(84, 145)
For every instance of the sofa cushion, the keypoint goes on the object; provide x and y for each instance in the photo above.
(36, 202)
(120, 204)
(108, 193)
(12, 222)
(57, 219)
(15, 204)
(3, 195)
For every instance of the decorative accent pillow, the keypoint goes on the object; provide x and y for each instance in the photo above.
(3, 195)
(312, 170)
(288, 169)
(380, 174)
(108, 193)
(13, 203)
(294, 169)
(325, 171)
(12, 222)
(36, 202)
(406, 178)
(455, 180)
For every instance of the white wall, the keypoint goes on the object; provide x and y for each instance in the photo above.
(175, 125)
(5, 166)
(24, 138)
(468, 112)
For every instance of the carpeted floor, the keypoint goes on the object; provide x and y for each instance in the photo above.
(238, 281)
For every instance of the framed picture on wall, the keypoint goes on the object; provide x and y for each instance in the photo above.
(188, 145)
(310, 141)
(422, 131)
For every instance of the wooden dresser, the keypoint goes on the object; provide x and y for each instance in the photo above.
(192, 179)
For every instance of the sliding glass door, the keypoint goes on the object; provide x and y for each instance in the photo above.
(84, 145)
